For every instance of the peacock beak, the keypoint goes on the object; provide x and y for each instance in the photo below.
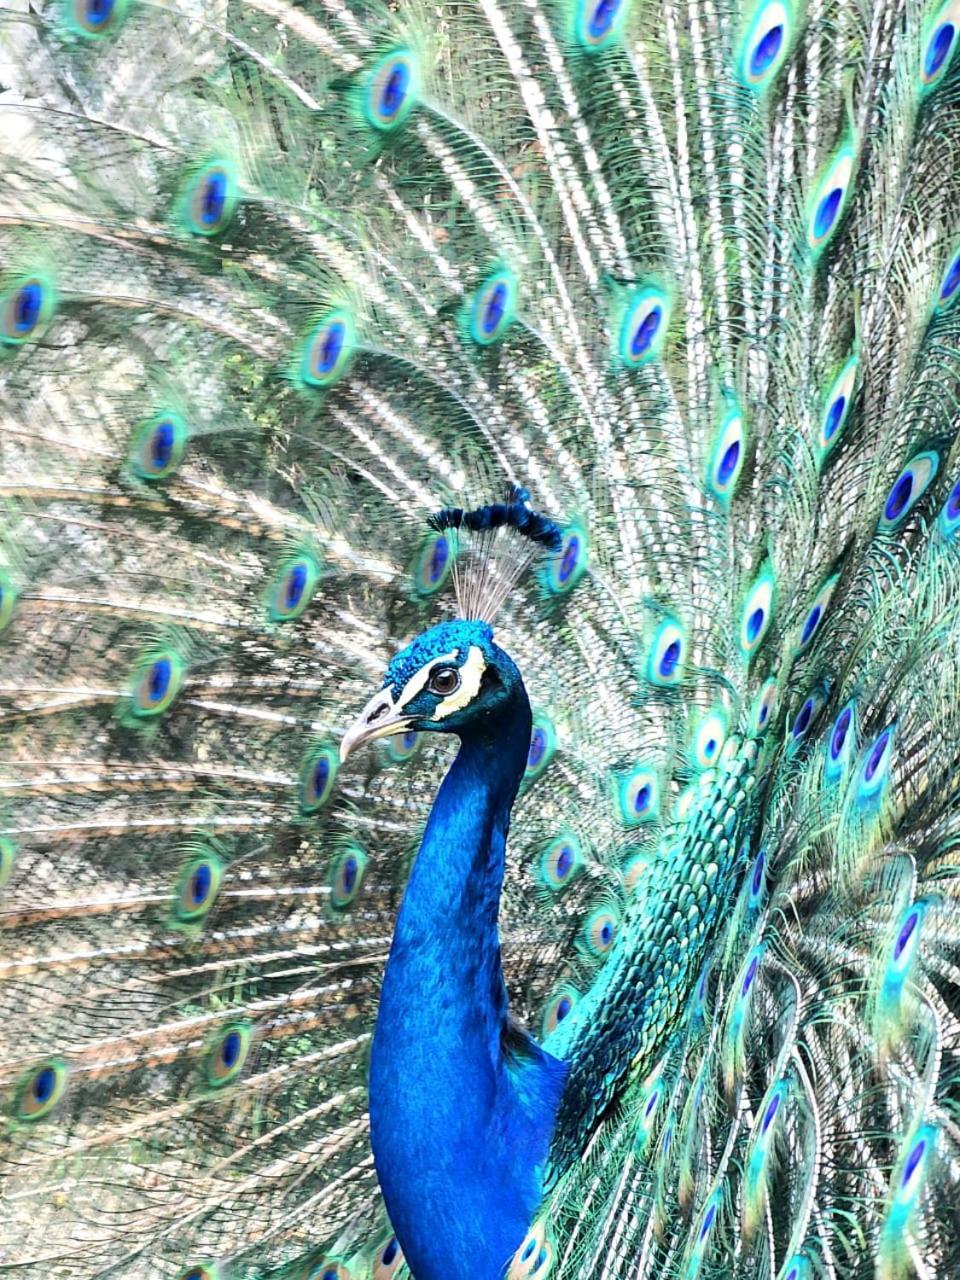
(379, 719)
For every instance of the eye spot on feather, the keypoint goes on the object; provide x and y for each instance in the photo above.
(228, 1053)
(403, 746)
(388, 1260)
(643, 329)
(326, 352)
(328, 1270)
(158, 447)
(203, 1271)
(559, 1007)
(757, 880)
(292, 588)
(40, 1089)
(667, 659)
(156, 682)
(830, 200)
(568, 565)
(346, 877)
(25, 310)
(639, 796)
(560, 862)
(766, 44)
(391, 91)
(727, 457)
(940, 46)
(318, 774)
(534, 1259)
(493, 307)
(599, 23)
(94, 18)
(708, 740)
(764, 705)
(211, 198)
(543, 745)
(802, 719)
(433, 564)
(600, 931)
(197, 887)
(756, 613)
(908, 488)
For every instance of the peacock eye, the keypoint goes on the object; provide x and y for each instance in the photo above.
(444, 681)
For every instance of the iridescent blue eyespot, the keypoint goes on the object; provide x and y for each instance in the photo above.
(875, 770)
(346, 876)
(841, 743)
(197, 887)
(830, 199)
(543, 744)
(568, 565)
(328, 349)
(941, 45)
(403, 745)
(560, 862)
(598, 23)
(93, 18)
(158, 446)
(816, 611)
(764, 705)
(756, 613)
(643, 329)
(901, 954)
(772, 1109)
(638, 796)
(803, 717)
(727, 457)
(837, 406)
(433, 564)
(668, 652)
(40, 1089)
(156, 682)
(391, 91)
(25, 310)
(228, 1053)
(908, 488)
(950, 513)
(559, 1007)
(949, 290)
(493, 307)
(600, 931)
(211, 199)
(388, 1260)
(293, 587)
(766, 43)
(318, 774)
(329, 1270)
(201, 1271)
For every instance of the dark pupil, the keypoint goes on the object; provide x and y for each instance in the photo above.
(158, 681)
(200, 883)
(494, 310)
(43, 1084)
(296, 584)
(603, 16)
(645, 332)
(389, 1253)
(98, 11)
(162, 444)
(213, 197)
(231, 1049)
(331, 345)
(349, 875)
(26, 307)
(445, 681)
(321, 772)
(438, 559)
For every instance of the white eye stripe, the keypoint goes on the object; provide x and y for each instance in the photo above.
(419, 678)
(471, 673)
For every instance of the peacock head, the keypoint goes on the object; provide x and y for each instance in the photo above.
(450, 679)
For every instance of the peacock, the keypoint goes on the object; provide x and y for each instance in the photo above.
(480, 640)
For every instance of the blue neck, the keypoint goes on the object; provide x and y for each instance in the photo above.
(462, 1105)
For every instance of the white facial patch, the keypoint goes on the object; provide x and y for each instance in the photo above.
(420, 678)
(471, 673)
